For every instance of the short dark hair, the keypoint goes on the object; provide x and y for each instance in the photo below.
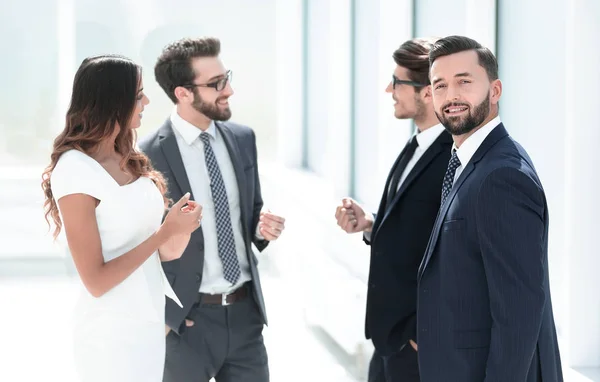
(414, 56)
(174, 66)
(456, 44)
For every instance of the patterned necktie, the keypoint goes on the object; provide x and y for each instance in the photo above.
(407, 155)
(449, 177)
(225, 240)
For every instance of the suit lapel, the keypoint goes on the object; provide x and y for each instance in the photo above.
(168, 144)
(383, 203)
(498, 133)
(238, 168)
(170, 149)
(432, 152)
(442, 214)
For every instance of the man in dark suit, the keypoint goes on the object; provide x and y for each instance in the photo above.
(398, 233)
(218, 333)
(484, 307)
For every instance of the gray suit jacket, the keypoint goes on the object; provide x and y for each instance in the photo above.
(185, 273)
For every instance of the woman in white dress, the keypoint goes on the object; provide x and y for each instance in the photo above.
(111, 203)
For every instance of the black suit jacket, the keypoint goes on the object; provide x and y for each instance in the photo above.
(185, 273)
(484, 307)
(398, 240)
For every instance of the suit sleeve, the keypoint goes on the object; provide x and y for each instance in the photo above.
(512, 233)
(367, 235)
(260, 243)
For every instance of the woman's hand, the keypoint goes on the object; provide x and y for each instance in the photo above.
(183, 218)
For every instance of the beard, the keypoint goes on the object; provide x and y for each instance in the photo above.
(421, 110)
(465, 124)
(418, 113)
(211, 110)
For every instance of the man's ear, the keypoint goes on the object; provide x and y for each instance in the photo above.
(495, 91)
(183, 95)
(427, 94)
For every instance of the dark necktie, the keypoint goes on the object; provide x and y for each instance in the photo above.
(225, 240)
(449, 177)
(407, 154)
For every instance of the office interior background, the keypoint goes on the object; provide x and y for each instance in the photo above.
(309, 77)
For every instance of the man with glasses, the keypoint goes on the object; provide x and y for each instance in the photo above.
(399, 232)
(218, 333)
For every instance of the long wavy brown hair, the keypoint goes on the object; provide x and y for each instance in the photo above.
(104, 97)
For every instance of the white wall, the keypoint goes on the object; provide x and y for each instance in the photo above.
(290, 81)
(473, 18)
(533, 109)
(381, 27)
(329, 81)
(550, 73)
(248, 48)
(29, 73)
(581, 254)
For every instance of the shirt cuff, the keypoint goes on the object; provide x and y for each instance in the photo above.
(257, 234)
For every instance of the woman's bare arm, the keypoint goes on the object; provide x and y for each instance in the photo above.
(173, 247)
(81, 229)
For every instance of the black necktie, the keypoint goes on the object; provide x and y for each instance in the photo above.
(407, 154)
(449, 177)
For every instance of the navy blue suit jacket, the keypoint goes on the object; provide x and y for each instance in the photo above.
(398, 240)
(484, 309)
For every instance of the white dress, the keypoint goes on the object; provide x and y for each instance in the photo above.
(119, 336)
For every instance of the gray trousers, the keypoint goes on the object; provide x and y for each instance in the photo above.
(225, 343)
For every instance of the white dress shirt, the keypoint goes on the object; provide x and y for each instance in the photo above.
(425, 140)
(468, 148)
(192, 155)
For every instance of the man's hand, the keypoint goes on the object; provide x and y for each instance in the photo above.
(352, 218)
(188, 323)
(270, 225)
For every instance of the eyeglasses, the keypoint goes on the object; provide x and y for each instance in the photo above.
(396, 81)
(218, 85)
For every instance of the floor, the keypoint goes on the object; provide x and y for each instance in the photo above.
(36, 342)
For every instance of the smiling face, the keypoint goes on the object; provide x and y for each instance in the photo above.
(464, 98)
(212, 103)
(408, 101)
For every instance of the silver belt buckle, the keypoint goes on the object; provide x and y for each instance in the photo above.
(224, 299)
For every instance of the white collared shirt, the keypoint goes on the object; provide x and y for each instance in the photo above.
(425, 140)
(469, 147)
(192, 155)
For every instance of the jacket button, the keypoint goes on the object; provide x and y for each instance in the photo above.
(197, 278)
